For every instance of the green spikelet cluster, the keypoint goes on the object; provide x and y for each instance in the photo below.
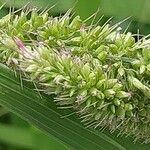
(103, 74)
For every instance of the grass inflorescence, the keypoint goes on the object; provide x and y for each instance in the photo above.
(103, 74)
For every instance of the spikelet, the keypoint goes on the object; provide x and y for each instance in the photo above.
(104, 75)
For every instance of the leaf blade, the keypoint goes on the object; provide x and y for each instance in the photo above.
(25, 103)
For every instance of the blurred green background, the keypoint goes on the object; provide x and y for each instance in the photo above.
(16, 134)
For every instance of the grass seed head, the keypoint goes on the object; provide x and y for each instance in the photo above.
(99, 71)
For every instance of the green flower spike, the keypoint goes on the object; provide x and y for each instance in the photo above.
(103, 74)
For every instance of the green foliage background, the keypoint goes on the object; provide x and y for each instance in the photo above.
(16, 134)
